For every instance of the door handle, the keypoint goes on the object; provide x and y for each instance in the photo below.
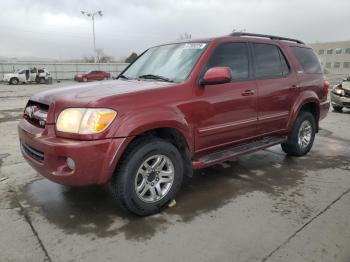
(248, 92)
(293, 87)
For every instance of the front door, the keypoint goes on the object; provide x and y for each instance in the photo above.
(227, 113)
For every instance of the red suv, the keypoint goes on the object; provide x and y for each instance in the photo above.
(92, 75)
(178, 107)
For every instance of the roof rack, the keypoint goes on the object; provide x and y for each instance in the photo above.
(272, 37)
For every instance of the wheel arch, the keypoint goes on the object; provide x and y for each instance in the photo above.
(308, 102)
(168, 133)
(14, 77)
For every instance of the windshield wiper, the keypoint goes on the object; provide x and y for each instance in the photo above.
(156, 77)
(123, 76)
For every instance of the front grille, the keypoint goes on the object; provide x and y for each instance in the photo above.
(347, 93)
(32, 152)
(36, 113)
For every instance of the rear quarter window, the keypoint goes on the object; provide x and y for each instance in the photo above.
(308, 60)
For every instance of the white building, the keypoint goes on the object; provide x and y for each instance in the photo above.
(334, 56)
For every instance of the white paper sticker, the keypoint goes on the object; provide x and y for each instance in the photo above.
(195, 45)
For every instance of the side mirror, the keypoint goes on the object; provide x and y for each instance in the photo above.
(217, 75)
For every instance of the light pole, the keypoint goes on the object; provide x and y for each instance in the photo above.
(92, 15)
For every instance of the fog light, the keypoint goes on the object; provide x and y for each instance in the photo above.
(70, 163)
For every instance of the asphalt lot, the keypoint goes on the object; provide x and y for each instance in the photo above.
(264, 207)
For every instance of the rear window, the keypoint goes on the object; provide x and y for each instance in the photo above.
(308, 60)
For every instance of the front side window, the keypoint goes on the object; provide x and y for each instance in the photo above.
(338, 51)
(269, 61)
(321, 51)
(232, 55)
(172, 62)
(308, 60)
(347, 51)
(329, 51)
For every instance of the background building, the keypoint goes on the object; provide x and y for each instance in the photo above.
(334, 57)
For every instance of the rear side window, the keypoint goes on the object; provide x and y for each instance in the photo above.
(234, 56)
(308, 60)
(269, 61)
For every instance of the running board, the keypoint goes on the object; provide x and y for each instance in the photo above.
(235, 152)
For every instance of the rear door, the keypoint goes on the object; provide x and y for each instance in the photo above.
(277, 86)
(227, 113)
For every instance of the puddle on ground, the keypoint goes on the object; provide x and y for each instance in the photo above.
(10, 115)
(92, 210)
(2, 157)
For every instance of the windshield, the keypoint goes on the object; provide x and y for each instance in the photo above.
(171, 63)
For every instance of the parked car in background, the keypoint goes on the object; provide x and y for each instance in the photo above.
(178, 107)
(340, 95)
(29, 75)
(92, 75)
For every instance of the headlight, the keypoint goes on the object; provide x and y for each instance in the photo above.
(339, 91)
(85, 120)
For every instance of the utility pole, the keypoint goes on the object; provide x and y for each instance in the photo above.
(92, 15)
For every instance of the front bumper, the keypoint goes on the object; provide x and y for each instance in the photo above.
(78, 78)
(95, 160)
(340, 100)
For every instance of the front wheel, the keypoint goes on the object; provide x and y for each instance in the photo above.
(337, 108)
(41, 80)
(148, 177)
(14, 81)
(302, 135)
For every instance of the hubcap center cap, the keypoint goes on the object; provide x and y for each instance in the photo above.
(151, 176)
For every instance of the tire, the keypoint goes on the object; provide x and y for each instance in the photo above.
(305, 124)
(85, 79)
(14, 81)
(337, 108)
(128, 176)
(41, 80)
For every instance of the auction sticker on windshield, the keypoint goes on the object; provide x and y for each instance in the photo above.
(195, 45)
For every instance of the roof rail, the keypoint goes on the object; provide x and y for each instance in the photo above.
(272, 37)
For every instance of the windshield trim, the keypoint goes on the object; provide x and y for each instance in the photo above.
(207, 42)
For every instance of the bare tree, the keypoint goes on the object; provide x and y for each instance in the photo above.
(89, 59)
(102, 57)
(185, 36)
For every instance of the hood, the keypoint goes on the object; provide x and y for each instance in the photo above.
(346, 85)
(90, 92)
(8, 75)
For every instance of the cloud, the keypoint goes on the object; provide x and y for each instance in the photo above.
(57, 29)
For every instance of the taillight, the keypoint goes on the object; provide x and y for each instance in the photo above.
(326, 86)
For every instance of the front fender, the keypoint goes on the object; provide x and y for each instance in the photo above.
(303, 98)
(136, 123)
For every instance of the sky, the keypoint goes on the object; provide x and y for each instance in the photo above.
(56, 29)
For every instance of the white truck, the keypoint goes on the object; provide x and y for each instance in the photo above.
(28, 75)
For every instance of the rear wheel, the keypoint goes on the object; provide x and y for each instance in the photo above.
(14, 81)
(301, 138)
(41, 80)
(337, 108)
(148, 177)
